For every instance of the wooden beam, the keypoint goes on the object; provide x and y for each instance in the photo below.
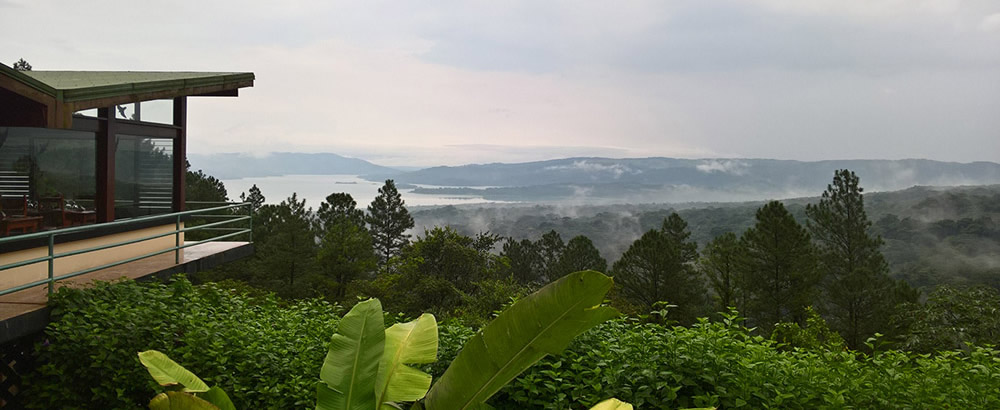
(81, 105)
(106, 146)
(180, 152)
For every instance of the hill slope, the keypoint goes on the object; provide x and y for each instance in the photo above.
(231, 166)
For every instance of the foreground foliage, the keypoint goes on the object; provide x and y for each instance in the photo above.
(264, 352)
(267, 354)
(723, 365)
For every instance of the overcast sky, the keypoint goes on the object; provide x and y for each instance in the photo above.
(451, 82)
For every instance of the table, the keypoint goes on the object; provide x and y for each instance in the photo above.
(20, 223)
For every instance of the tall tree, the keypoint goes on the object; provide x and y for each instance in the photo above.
(339, 206)
(859, 293)
(255, 198)
(345, 254)
(550, 249)
(286, 242)
(201, 187)
(22, 65)
(525, 261)
(580, 254)
(659, 267)
(721, 264)
(781, 265)
(388, 221)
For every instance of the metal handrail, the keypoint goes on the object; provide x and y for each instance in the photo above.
(176, 232)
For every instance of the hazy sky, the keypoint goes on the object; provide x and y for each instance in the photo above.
(450, 82)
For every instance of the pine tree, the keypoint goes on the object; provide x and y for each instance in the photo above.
(388, 220)
(781, 264)
(22, 65)
(659, 267)
(255, 198)
(339, 207)
(345, 254)
(525, 261)
(721, 264)
(580, 254)
(550, 249)
(286, 242)
(859, 293)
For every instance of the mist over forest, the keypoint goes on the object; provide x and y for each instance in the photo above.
(932, 235)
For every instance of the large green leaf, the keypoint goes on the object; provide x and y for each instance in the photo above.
(414, 342)
(167, 372)
(543, 323)
(218, 397)
(612, 404)
(351, 364)
(175, 400)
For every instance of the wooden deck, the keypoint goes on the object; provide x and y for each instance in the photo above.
(25, 312)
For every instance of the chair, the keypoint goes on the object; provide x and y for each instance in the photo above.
(53, 210)
(14, 211)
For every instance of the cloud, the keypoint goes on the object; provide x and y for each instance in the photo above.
(588, 166)
(437, 82)
(727, 166)
(991, 23)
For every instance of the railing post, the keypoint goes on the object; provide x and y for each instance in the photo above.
(177, 241)
(52, 261)
(250, 221)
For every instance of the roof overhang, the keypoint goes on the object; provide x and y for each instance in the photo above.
(66, 92)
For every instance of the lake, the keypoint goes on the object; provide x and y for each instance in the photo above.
(315, 188)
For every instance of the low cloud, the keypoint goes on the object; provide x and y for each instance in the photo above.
(616, 169)
(991, 23)
(726, 166)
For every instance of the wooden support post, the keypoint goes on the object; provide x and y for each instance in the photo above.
(106, 146)
(180, 152)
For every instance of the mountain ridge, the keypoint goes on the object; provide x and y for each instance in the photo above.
(238, 165)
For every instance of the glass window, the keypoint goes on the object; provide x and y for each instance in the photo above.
(47, 179)
(143, 176)
(88, 113)
(126, 112)
(158, 111)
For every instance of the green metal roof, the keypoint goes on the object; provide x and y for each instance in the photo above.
(87, 85)
(70, 86)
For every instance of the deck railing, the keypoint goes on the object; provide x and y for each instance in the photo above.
(214, 219)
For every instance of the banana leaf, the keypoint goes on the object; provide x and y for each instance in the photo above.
(173, 400)
(543, 323)
(349, 372)
(167, 372)
(612, 404)
(414, 342)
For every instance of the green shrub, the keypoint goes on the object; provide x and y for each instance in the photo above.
(264, 353)
(715, 364)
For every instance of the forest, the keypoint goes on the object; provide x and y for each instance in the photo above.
(833, 301)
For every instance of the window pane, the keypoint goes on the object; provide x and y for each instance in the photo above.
(143, 176)
(47, 179)
(158, 111)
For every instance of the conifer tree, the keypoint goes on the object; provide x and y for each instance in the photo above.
(859, 293)
(580, 254)
(255, 197)
(550, 249)
(339, 207)
(525, 261)
(659, 267)
(721, 264)
(388, 220)
(781, 264)
(21, 65)
(286, 242)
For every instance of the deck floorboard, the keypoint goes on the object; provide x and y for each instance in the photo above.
(34, 299)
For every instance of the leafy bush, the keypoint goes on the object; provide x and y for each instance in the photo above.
(263, 352)
(721, 364)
